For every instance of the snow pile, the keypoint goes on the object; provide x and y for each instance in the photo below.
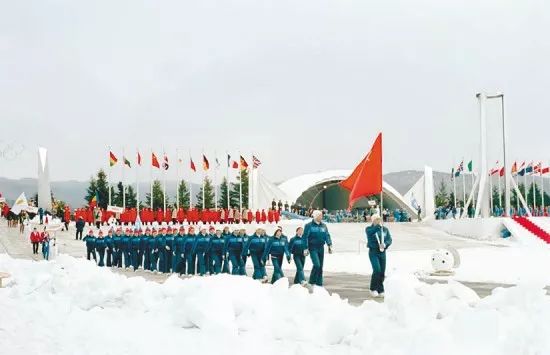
(70, 306)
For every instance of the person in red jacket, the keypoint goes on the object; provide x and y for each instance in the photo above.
(160, 215)
(258, 216)
(250, 216)
(277, 216)
(35, 240)
(180, 215)
(67, 217)
(168, 215)
(264, 217)
(270, 216)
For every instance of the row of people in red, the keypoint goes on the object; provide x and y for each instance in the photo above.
(147, 215)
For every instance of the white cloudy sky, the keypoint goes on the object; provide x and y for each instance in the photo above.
(304, 84)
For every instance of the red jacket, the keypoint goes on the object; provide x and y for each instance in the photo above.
(36, 237)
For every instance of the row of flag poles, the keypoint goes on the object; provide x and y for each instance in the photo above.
(518, 170)
(164, 165)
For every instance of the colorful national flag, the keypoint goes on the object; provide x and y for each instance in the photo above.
(514, 169)
(521, 171)
(235, 165)
(155, 161)
(452, 173)
(470, 166)
(94, 200)
(494, 170)
(228, 160)
(537, 168)
(192, 165)
(529, 168)
(366, 178)
(244, 164)
(501, 172)
(545, 170)
(138, 159)
(165, 165)
(126, 162)
(256, 162)
(459, 169)
(112, 159)
(205, 163)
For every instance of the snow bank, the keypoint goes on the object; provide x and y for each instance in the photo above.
(70, 306)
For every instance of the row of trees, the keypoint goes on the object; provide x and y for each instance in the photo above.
(444, 198)
(100, 186)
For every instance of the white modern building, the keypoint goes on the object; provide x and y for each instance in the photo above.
(44, 189)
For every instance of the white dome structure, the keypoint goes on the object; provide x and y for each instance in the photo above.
(322, 190)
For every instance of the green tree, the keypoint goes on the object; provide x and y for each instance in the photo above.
(118, 196)
(158, 196)
(534, 195)
(224, 192)
(208, 194)
(441, 197)
(496, 202)
(183, 195)
(99, 185)
(235, 190)
(131, 197)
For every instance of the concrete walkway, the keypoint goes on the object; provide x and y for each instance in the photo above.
(353, 287)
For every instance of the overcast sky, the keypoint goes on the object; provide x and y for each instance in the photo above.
(303, 84)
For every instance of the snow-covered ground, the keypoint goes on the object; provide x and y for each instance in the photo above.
(70, 306)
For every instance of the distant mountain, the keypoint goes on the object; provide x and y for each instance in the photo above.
(73, 192)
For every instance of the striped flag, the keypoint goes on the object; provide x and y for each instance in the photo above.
(205, 163)
(126, 162)
(112, 159)
(514, 169)
(521, 170)
(494, 170)
(138, 159)
(459, 169)
(192, 165)
(256, 162)
(165, 165)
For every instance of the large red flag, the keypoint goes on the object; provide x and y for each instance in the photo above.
(366, 179)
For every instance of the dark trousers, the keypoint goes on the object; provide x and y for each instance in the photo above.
(78, 235)
(299, 260)
(236, 263)
(147, 259)
(169, 260)
(259, 268)
(225, 266)
(191, 259)
(243, 268)
(101, 253)
(181, 263)
(109, 261)
(216, 259)
(176, 260)
(317, 256)
(201, 263)
(378, 263)
(154, 260)
(91, 251)
(277, 261)
(35, 248)
(127, 258)
(162, 260)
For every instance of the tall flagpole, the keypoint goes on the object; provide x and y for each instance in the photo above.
(491, 193)
(463, 186)
(534, 196)
(164, 181)
(542, 190)
(473, 188)
(190, 186)
(499, 190)
(123, 180)
(151, 170)
(227, 178)
(216, 181)
(109, 177)
(177, 182)
(240, 184)
(138, 166)
(203, 179)
(454, 187)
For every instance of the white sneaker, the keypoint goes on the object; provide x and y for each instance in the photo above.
(381, 295)
(374, 293)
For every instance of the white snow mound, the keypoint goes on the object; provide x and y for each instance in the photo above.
(70, 306)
